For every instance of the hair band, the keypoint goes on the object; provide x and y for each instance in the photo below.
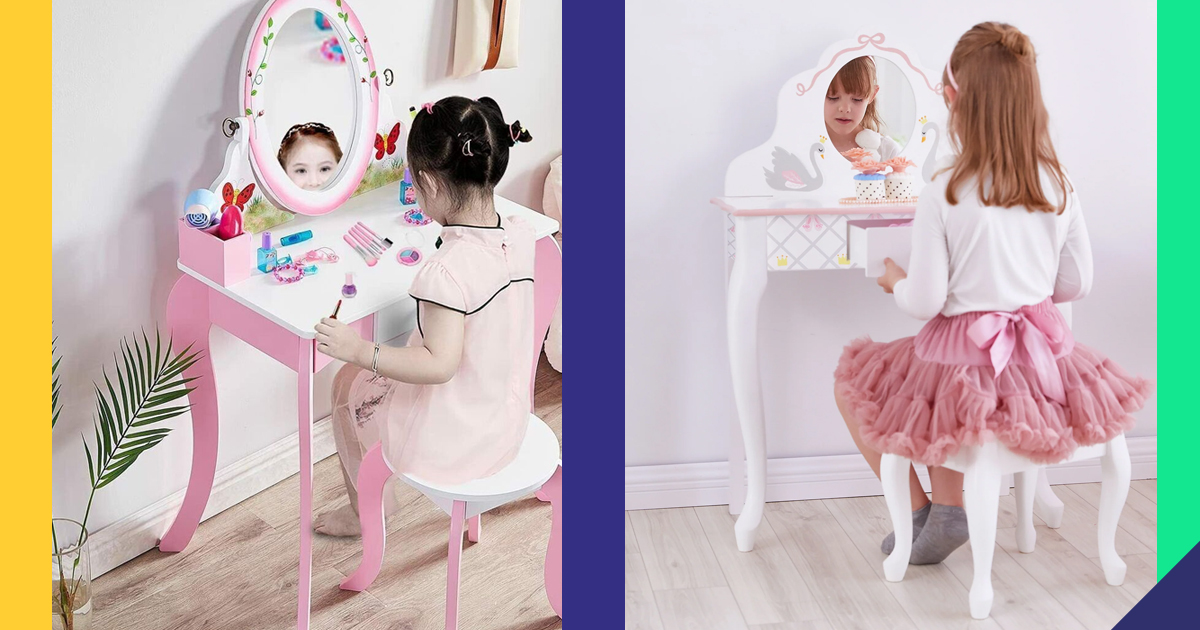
(950, 75)
(466, 149)
(428, 108)
(514, 134)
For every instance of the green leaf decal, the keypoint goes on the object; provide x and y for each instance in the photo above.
(372, 74)
(248, 111)
(270, 22)
(252, 93)
(266, 41)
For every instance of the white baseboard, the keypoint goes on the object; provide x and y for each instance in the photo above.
(139, 532)
(824, 477)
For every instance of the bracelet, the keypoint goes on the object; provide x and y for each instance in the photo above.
(295, 269)
(375, 361)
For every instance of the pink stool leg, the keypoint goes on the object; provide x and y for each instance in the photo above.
(474, 528)
(188, 317)
(372, 478)
(304, 381)
(454, 565)
(553, 574)
(547, 287)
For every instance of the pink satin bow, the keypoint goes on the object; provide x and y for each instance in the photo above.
(999, 333)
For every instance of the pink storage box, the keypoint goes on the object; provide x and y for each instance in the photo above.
(224, 262)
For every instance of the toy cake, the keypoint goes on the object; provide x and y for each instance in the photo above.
(899, 184)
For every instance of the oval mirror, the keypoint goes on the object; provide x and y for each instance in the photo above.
(310, 97)
(870, 93)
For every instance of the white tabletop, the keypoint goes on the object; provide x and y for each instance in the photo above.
(300, 305)
(764, 206)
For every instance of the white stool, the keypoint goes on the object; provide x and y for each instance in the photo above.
(983, 466)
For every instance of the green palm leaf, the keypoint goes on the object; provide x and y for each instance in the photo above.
(146, 379)
(56, 387)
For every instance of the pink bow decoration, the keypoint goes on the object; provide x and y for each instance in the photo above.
(999, 333)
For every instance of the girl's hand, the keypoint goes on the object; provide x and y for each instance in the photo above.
(340, 341)
(890, 277)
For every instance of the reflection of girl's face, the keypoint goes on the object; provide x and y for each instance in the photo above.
(310, 163)
(844, 112)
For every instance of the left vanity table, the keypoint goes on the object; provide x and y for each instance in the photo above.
(220, 286)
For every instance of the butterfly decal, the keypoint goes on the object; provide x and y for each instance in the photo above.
(387, 145)
(234, 198)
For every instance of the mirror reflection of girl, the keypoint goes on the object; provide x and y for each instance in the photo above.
(851, 112)
(986, 260)
(453, 404)
(309, 153)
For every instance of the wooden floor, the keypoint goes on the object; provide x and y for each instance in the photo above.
(239, 572)
(817, 566)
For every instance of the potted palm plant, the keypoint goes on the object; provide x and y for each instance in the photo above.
(129, 421)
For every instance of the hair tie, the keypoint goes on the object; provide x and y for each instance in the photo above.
(513, 133)
(950, 75)
(428, 108)
(466, 148)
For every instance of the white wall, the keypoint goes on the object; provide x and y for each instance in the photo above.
(140, 90)
(700, 87)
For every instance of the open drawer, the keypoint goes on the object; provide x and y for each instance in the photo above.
(869, 241)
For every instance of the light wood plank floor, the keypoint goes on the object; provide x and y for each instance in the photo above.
(817, 566)
(239, 572)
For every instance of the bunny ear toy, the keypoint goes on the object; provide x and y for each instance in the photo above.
(870, 141)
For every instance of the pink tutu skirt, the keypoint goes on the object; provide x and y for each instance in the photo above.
(925, 397)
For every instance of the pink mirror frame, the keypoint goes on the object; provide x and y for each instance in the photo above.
(270, 175)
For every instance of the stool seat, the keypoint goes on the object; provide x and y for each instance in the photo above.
(534, 464)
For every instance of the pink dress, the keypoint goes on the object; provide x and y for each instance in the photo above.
(1017, 377)
(473, 425)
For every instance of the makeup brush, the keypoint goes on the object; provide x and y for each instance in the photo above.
(370, 260)
(366, 241)
(336, 309)
(387, 242)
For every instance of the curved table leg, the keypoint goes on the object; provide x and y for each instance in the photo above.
(304, 414)
(547, 289)
(553, 570)
(188, 318)
(747, 282)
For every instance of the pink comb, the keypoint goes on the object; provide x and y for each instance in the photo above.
(371, 260)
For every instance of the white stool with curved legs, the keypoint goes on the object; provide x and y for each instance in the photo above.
(537, 467)
(983, 466)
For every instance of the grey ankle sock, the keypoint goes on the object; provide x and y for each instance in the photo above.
(919, 517)
(945, 530)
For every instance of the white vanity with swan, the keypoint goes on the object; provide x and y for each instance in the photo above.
(787, 211)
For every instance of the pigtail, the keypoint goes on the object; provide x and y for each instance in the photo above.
(517, 133)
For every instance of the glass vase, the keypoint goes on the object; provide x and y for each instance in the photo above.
(71, 577)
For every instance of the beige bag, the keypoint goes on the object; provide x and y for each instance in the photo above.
(485, 35)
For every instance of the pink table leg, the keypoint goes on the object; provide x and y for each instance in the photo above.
(304, 380)
(188, 317)
(547, 287)
(553, 572)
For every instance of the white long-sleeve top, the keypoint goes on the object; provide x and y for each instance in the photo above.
(970, 257)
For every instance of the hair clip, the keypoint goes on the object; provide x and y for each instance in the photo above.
(466, 149)
(428, 108)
